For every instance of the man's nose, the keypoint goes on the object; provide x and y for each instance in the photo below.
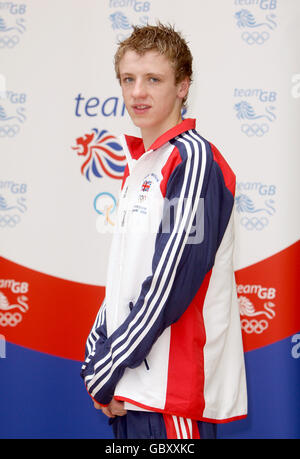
(139, 89)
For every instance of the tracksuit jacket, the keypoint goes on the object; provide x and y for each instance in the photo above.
(167, 337)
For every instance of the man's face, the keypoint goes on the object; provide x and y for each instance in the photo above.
(152, 98)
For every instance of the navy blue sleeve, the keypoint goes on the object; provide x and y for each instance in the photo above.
(97, 335)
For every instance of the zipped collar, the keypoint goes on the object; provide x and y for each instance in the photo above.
(134, 146)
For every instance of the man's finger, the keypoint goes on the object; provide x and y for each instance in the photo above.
(107, 412)
(117, 408)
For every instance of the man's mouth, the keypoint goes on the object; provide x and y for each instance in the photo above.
(141, 108)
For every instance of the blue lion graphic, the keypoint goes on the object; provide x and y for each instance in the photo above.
(246, 19)
(246, 111)
(119, 21)
(19, 22)
(19, 116)
(245, 204)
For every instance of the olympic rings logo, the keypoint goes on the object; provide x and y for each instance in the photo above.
(9, 220)
(254, 326)
(9, 130)
(10, 319)
(9, 41)
(254, 223)
(255, 129)
(255, 37)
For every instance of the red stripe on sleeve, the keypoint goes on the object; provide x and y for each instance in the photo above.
(172, 162)
(228, 174)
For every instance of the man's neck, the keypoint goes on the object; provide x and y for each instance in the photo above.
(149, 136)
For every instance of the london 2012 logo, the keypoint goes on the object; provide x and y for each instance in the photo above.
(257, 25)
(102, 155)
(105, 204)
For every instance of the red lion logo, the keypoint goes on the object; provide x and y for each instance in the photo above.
(103, 155)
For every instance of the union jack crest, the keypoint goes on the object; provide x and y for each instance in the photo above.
(103, 155)
(146, 185)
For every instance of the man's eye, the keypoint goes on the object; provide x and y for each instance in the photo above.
(127, 80)
(154, 80)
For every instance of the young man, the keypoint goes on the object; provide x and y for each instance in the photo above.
(164, 358)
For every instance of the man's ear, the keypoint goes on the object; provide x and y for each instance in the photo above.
(183, 88)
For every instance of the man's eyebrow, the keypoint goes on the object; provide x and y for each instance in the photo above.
(154, 73)
(146, 74)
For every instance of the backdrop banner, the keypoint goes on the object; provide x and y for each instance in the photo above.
(61, 115)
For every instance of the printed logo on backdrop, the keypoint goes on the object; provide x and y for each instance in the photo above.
(12, 23)
(13, 203)
(102, 155)
(105, 204)
(257, 22)
(255, 110)
(112, 106)
(13, 310)
(124, 13)
(255, 205)
(12, 113)
(257, 307)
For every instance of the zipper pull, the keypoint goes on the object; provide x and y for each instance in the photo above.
(125, 192)
(123, 218)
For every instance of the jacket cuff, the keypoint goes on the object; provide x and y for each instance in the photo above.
(94, 400)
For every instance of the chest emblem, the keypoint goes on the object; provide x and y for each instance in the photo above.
(146, 185)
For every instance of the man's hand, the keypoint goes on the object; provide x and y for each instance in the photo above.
(115, 408)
